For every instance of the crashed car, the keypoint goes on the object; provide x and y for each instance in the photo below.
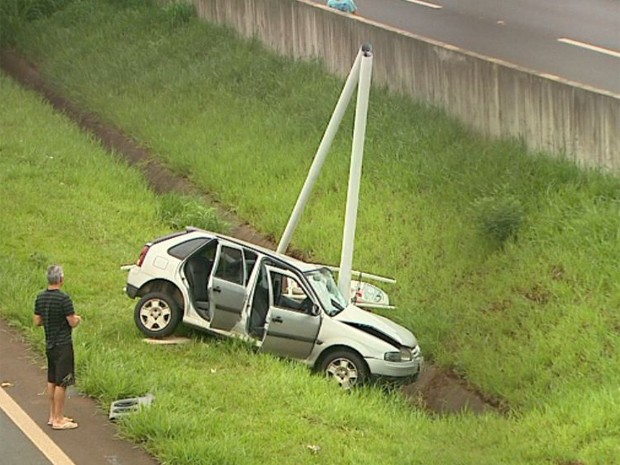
(287, 307)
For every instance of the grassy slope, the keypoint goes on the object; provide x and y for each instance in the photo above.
(533, 323)
(61, 192)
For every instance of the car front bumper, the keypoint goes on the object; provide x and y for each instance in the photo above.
(397, 371)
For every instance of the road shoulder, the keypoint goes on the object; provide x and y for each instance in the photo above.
(95, 442)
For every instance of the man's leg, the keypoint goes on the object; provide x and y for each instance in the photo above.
(50, 395)
(59, 405)
(64, 369)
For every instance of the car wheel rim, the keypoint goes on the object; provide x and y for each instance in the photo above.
(155, 314)
(343, 371)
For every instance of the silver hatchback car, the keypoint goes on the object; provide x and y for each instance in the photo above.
(287, 307)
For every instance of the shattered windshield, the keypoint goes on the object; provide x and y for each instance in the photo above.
(322, 281)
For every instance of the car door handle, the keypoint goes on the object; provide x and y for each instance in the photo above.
(277, 319)
(217, 289)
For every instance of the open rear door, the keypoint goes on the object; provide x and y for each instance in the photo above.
(227, 290)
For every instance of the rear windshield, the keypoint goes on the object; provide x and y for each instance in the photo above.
(185, 249)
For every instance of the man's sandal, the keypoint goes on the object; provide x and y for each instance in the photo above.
(49, 423)
(66, 425)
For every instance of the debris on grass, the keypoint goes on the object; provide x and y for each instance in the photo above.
(122, 407)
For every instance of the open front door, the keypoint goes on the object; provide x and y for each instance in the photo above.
(292, 328)
(227, 290)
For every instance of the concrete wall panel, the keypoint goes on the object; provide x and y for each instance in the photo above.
(495, 98)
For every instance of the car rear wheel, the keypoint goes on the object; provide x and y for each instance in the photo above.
(346, 367)
(157, 315)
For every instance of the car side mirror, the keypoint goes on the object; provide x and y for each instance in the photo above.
(315, 310)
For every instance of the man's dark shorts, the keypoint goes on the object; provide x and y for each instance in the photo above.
(60, 365)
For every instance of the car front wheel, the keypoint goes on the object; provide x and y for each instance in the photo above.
(157, 315)
(346, 367)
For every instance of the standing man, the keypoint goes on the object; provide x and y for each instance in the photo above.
(53, 309)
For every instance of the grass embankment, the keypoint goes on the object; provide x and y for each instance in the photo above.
(65, 200)
(532, 321)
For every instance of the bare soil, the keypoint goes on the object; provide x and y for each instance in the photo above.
(436, 390)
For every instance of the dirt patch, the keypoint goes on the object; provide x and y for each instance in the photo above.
(442, 392)
(436, 390)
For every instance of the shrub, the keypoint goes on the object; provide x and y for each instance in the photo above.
(498, 217)
(15, 13)
(130, 3)
(180, 13)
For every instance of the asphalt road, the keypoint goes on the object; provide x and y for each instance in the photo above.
(572, 39)
(25, 437)
(16, 446)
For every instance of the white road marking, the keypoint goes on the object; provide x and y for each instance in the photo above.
(430, 5)
(595, 48)
(32, 431)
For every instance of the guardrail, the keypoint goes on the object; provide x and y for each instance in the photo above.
(495, 98)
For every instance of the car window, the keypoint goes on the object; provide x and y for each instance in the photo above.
(250, 263)
(185, 249)
(285, 293)
(230, 265)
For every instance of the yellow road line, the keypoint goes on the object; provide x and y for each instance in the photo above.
(32, 431)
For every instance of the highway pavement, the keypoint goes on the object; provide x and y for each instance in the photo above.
(25, 437)
(571, 39)
(15, 446)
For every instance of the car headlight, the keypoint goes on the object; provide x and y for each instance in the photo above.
(403, 355)
(392, 356)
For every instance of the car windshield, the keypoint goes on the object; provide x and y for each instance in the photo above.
(322, 281)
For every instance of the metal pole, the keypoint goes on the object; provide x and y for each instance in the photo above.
(355, 173)
(321, 154)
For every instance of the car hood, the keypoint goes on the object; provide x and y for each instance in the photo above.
(362, 319)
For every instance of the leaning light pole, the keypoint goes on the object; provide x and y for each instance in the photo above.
(321, 154)
(355, 172)
(360, 76)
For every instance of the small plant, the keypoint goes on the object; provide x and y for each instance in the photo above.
(39, 260)
(130, 3)
(179, 211)
(499, 217)
(180, 13)
(15, 13)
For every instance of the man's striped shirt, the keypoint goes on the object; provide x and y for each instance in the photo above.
(54, 306)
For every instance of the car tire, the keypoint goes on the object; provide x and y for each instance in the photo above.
(346, 367)
(157, 315)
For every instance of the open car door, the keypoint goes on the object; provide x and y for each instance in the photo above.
(227, 290)
(293, 323)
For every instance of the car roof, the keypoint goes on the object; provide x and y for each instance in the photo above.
(193, 232)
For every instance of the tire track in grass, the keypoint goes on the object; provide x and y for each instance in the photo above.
(437, 391)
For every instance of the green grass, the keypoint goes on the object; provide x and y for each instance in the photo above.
(65, 200)
(532, 320)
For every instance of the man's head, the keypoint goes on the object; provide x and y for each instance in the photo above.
(55, 275)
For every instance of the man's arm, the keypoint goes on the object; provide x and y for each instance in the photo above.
(38, 320)
(74, 320)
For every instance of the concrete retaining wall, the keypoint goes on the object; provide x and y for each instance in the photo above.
(492, 97)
